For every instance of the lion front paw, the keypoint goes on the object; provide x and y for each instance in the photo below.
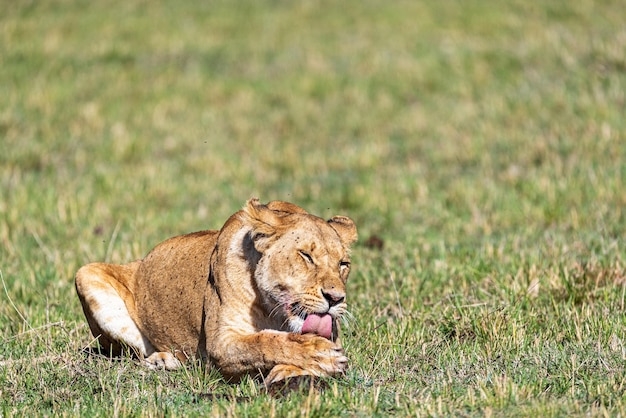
(284, 371)
(322, 357)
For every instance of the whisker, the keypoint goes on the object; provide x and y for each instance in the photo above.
(288, 324)
(299, 310)
(275, 310)
(347, 319)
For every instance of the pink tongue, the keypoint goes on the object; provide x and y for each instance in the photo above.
(320, 325)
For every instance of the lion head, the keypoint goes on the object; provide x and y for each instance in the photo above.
(303, 265)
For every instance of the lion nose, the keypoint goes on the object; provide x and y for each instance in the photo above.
(334, 297)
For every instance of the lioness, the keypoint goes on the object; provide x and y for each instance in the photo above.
(263, 294)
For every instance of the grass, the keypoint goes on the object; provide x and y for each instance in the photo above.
(483, 142)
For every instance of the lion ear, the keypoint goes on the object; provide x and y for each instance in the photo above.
(346, 229)
(285, 207)
(263, 221)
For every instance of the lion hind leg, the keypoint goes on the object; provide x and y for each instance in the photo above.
(103, 290)
(163, 360)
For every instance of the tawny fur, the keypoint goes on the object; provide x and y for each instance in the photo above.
(236, 297)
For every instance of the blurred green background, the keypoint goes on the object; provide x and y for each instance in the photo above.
(482, 142)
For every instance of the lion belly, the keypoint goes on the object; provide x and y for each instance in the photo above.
(170, 290)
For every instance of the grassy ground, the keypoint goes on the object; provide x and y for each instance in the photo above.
(484, 142)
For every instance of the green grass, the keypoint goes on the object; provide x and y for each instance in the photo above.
(484, 142)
